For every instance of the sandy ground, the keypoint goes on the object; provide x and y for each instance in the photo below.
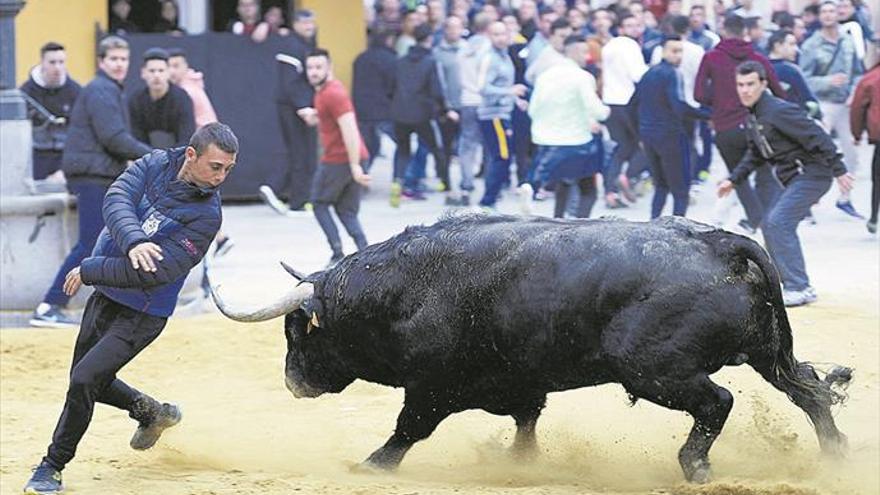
(243, 433)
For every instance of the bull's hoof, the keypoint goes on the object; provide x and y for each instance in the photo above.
(835, 449)
(697, 471)
(525, 452)
(368, 467)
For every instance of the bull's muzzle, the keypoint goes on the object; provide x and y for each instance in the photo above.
(301, 390)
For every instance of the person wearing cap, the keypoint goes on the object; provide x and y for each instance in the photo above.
(161, 112)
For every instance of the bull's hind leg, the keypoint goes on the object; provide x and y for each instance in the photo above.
(525, 444)
(417, 420)
(705, 401)
(815, 397)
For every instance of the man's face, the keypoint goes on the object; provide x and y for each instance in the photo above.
(828, 15)
(305, 27)
(410, 22)
(436, 12)
(53, 67)
(788, 48)
(637, 10)
(749, 88)
(499, 35)
(391, 9)
(630, 27)
(491, 11)
(545, 21)
(210, 168)
(756, 33)
(800, 29)
(527, 10)
(576, 19)
(602, 22)
(115, 64)
(845, 9)
(177, 69)
(674, 7)
(698, 19)
(578, 52)
(557, 39)
(248, 10)
(317, 70)
(452, 29)
(746, 4)
(672, 52)
(155, 74)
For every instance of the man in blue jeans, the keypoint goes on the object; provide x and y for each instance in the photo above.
(99, 144)
(804, 159)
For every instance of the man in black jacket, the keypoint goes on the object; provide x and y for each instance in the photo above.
(54, 91)
(162, 214)
(418, 100)
(161, 113)
(804, 160)
(296, 116)
(372, 89)
(98, 147)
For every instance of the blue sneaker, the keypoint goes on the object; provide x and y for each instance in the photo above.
(849, 209)
(46, 480)
(51, 316)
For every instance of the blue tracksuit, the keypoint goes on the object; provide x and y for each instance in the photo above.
(662, 112)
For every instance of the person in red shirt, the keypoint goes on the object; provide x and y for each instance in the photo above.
(865, 116)
(340, 175)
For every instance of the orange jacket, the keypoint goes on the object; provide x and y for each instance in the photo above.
(864, 112)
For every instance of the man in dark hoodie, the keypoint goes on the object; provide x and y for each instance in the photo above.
(372, 89)
(54, 91)
(716, 88)
(99, 144)
(296, 116)
(418, 100)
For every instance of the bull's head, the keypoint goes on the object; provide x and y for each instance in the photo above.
(314, 364)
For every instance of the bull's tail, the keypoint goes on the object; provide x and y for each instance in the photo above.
(799, 380)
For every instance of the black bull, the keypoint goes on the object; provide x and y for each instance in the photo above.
(494, 312)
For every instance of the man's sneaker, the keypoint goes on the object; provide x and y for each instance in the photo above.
(465, 200)
(51, 316)
(336, 258)
(810, 292)
(414, 195)
(268, 196)
(746, 228)
(848, 208)
(793, 298)
(396, 191)
(46, 480)
(525, 193)
(872, 227)
(148, 434)
(223, 246)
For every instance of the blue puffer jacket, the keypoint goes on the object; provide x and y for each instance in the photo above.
(148, 203)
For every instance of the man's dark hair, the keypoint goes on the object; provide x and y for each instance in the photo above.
(594, 12)
(624, 16)
(422, 32)
(575, 38)
(680, 24)
(379, 37)
(301, 14)
(176, 52)
(697, 7)
(777, 38)
(220, 135)
(669, 37)
(559, 24)
(50, 47)
(752, 23)
(734, 25)
(155, 54)
(783, 19)
(752, 67)
(319, 52)
(544, 10)
(812, 9)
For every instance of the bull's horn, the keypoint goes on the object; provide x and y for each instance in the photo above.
(300, 276)
(286, 304)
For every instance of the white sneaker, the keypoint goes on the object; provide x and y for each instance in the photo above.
(794, 298)
(269, 197)
(525, 193)
(812, 297)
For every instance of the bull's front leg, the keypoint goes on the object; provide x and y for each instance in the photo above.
(419, 417)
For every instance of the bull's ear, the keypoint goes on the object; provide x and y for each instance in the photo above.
(298, 275)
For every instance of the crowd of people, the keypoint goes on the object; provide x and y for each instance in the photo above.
(562, 99)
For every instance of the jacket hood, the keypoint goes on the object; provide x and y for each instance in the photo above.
(736, 48)
(37, 77)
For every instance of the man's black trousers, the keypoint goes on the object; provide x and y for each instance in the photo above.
(301, 146)
(109, 337)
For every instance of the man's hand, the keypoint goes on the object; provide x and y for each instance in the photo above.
(519, 90)
(72, 282)
(522, 104)
(309, 115)
(595, 128)
(143, 254)
(839, 80)
(845, 183)
(724, 188)
(452, 115)
(359, 176)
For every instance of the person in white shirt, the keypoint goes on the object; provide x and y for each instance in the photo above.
(552, 55)
(566, 111)
(622, 67)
